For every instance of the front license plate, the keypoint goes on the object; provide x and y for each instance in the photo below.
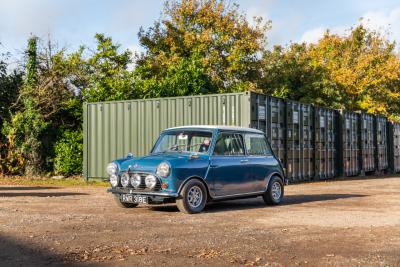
(128, 198)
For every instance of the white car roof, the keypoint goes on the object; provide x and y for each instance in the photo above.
(220, 127)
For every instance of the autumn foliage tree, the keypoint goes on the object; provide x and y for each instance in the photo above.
(359, 72)
(199, 47)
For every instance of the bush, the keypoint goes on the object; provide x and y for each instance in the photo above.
(23, 148)
(69, 153)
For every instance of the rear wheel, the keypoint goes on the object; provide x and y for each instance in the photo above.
(123, 204)
(274, 193)
(193, 197)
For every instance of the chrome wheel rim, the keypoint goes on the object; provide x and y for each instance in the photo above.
(195, 196)
(276, 190)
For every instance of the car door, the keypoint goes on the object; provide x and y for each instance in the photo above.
(228, 171)
(260, 159)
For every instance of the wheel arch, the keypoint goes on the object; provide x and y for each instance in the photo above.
(195, 178)
(277, 174)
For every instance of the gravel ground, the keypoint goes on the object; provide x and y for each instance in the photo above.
(341, 223)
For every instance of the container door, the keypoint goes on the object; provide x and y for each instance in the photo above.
(229, 171)
(381, 144)
(396, 147)
(367, 143)
(349, 143)
(325, 143)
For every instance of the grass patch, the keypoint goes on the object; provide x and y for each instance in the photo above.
(70, 181)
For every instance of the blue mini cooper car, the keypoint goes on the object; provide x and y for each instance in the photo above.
(193, 165)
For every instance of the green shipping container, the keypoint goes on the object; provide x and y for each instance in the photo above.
(113, 129)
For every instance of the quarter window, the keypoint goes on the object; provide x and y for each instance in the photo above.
(256, 145)
(229, 145)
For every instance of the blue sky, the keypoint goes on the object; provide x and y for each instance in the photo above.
(74, 22)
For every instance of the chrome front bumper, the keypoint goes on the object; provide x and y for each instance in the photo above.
(140, 192)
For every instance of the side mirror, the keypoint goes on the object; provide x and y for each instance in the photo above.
(129, 155)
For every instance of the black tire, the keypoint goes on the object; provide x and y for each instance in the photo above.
(186, 203)
(272, 196)
(122, 204)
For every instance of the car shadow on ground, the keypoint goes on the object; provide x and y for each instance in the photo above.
(7, 191)
(256, 203)
(22, 188)
(41, 194)
(19, 253)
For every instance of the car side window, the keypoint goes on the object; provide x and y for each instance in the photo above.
(256, 145)
(229, 145)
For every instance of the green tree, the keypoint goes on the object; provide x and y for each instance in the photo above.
(105, 73)
(207, 42)
(9, 89)
(69, 153)
(25, 127)
(186, 77)
(290, 73)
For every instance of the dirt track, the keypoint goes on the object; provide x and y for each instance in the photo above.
(354, 222)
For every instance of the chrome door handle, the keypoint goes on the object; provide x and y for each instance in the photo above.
(244, 160)
(213, 166)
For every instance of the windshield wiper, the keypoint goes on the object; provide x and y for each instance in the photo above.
(187, 147)
(177, 146)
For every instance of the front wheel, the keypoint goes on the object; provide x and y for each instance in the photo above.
(123, 204)
(192, 198)
(274, 193)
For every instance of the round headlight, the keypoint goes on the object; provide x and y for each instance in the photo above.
(114, 180)
(125, 179)
(163, 169)
(112, 168)
(135, 180)
(150, 181)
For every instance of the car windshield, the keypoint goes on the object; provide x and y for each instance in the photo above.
(183, 141)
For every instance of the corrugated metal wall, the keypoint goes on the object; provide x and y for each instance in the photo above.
(394, 147)
(304, 137)
(381, 153)
(367, 144)
(300, 141)
(119, 127)
(349, 143)
(268, 115)
(326, 143)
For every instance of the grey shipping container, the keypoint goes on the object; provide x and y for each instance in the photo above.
(367, 144)
(326, 141)
(300, 143)
(381, 150)
(268, 115)
(349, 143)
(394, 146)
